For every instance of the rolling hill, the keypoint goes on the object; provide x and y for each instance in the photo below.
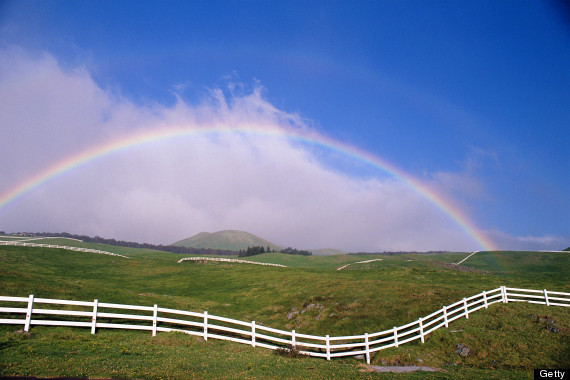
(227, 239)
(507, 341)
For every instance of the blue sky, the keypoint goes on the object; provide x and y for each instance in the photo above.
(470, 97)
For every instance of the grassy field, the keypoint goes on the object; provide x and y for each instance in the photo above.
(506, 341)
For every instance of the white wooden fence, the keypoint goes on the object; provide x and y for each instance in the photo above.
(358, 262)
(29, 238)
(25, 244)
(228, 261)
(97, 314)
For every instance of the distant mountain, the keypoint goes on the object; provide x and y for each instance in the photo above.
(229, 239)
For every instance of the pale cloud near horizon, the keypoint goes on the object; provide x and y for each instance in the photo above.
(529, 242)
(170, 189)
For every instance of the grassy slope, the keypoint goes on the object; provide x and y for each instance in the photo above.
(362, 298)
(553, 266)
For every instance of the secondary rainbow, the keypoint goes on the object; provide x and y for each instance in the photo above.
(75, 161)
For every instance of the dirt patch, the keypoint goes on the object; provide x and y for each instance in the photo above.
(397, 369)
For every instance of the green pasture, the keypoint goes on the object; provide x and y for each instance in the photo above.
(541, 265)
(507, 341)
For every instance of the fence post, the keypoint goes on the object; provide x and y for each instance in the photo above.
(445, 316)
(421, 330)
(253, 333)
(328, 348)
(395, 336)
(293, 340)
(546, 298)
(367, 348)
(465, 308)
(29, 313)
(504, 292)
(205, 325)
(154, 319)
(485, 299)
(94, 319)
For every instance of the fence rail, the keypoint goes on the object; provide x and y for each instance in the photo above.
(26, 244)
(28, 238)
(358, 262)
(228, 261)
(95, 314)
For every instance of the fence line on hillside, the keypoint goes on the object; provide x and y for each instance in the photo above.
(358, 262)
(95, 315)
(25, 244)
(543, 251)
(467, 257)
(28, 238)
(228, 261)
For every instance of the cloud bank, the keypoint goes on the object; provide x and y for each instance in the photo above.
(170, 189)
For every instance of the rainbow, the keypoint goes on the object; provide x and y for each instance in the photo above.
(144, 137)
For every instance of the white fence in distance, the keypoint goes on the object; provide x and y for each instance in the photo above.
(358, 262)
(96, 315)
(220, 259)
(78, 249)
(29, 238)
(471, 254)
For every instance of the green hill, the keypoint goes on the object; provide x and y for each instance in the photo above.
(507, 341)
(228, 239)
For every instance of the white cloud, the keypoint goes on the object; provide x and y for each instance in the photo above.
(529, 242)
(173, 188)
(454, 183)
(465, 183)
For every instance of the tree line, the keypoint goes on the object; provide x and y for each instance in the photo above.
(257, 250)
